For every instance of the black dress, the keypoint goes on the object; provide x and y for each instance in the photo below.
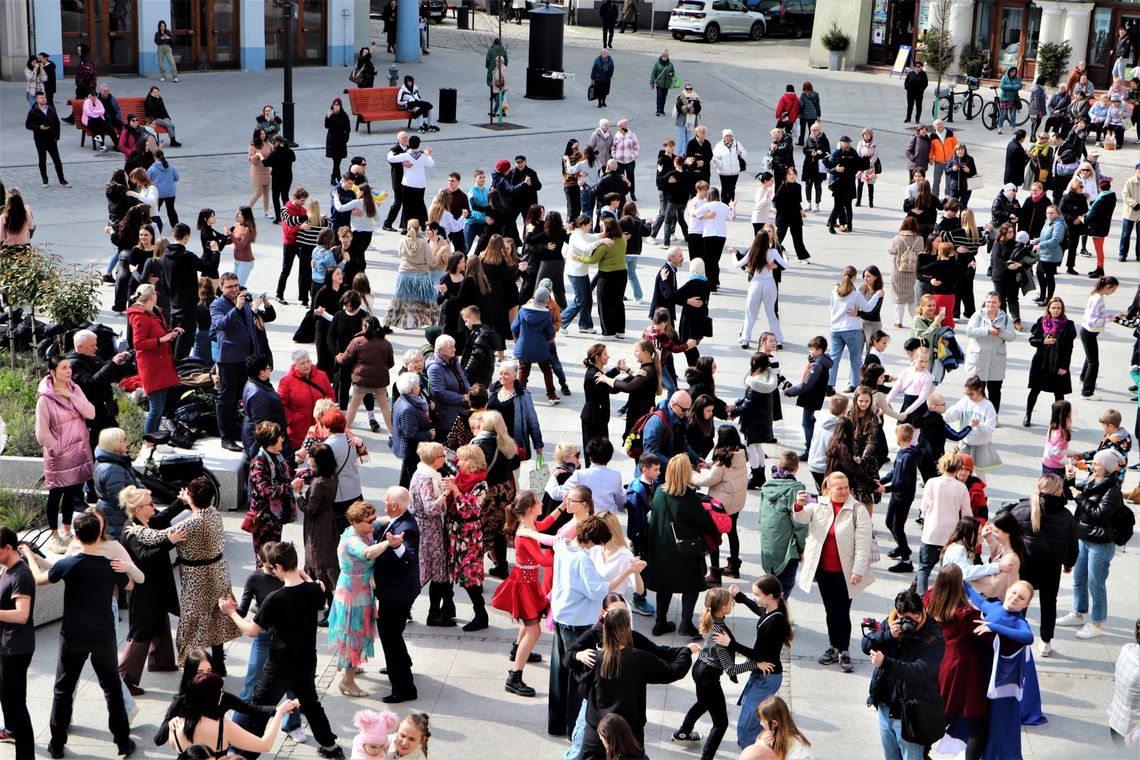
(596, 408)
(694, 321)
(503, 297)
(330, 300)
(449, 309)
(1049, 358)
(642, 390)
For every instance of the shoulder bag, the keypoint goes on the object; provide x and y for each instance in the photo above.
(686, 547)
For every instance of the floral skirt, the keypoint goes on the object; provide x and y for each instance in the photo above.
(413, 303)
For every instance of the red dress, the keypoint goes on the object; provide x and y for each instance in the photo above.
(521, 595)
(963, 676)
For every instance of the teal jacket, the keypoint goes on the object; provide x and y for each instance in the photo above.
(1009, 88)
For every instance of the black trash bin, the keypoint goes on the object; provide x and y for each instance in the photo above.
(447, 100)
(462, 17)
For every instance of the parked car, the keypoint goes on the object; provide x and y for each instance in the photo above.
(713, 19)
(794, 18)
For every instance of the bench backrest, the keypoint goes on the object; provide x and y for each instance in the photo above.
(137, 106)
(373, 99)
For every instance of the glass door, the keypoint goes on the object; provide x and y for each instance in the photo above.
(1102, 39)
(1009, 38)
(108, 27)
(205, 33)
(309, 43)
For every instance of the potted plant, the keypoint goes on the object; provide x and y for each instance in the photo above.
(837, 42)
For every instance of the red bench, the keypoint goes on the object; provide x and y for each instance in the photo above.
(137, 106)
(371, 104)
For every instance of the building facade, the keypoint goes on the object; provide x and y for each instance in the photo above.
(1007, 32)
(208, 34)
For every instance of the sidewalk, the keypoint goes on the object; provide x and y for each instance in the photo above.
(460, 676)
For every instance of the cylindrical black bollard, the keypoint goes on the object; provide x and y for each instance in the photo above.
(546, 28)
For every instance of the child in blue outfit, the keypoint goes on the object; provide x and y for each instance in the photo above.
(901, 483)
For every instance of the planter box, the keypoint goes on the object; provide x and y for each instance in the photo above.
(21, 472)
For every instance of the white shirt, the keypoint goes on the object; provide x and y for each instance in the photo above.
(415, 175)
(696, 226)
(147, 195)
(717, 226)
(983, 411)
(356, 222)
(582, 244)
(840, 319)
(762, 206)
(614, 565)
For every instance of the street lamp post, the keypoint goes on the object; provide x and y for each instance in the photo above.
(288, 8)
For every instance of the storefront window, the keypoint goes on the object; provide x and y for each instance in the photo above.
(1101, 37)
(1009, 42)
(983, 24)
(1032, 36)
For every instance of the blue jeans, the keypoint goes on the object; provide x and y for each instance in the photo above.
(853, 341)
(1125, 237)
(807, 421)
(575, 750)
(242, 270)
(631, 271)
(1007, 115)
(587, 195)
(472, 232)
(156, 401)
(258, 654)
(668, 381)
(203, 348)
(1089, 577)
(583, 302)
(788, 577)
(758, 688)
(683, 137)
(894, 746)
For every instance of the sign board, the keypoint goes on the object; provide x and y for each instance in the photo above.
(924, 14)
(900, 60)
(67, 59)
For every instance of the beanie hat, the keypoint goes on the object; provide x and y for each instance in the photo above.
(433, 332)
(725, 132)
(542, 296)
(503, 166)
(967, 462)
(374, 726)
(623, 123)
(1109, 459)
(1023, 237)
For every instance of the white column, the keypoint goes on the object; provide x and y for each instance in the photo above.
(1076, 29)
(959, 24)
(1052, 12)
(341, 26)
(252, 42)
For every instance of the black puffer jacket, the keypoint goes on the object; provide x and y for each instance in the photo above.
(1096, 503)
(910, 667)
(1056, 542)
(478, 360)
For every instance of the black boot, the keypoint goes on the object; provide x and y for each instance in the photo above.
(515, 684)
(532, 657)
(479, 621)
(435, 616)
(499, 546)
(756, 479)
(447, 603)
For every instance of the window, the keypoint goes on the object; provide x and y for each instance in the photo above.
(1101, 37)
(1009, 43)
(1032, 36)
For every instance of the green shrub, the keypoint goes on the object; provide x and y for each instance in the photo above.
(131, 419)
(972, 60)
(22, 509)
(835, 40)
(1053, 60)
(938, 53)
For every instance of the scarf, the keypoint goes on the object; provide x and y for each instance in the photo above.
(465, 481)
(781, 474)
(1053, 326)
(701, 277)
(433, 474)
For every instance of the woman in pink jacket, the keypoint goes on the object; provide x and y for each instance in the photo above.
(61, 428)
(97, 125)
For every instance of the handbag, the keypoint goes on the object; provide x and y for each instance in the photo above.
(923, 722)
(590, 93)
(687, 547)
(539, 475)
(249, 521)
(357, 75)
(975, 183)
(743, 163)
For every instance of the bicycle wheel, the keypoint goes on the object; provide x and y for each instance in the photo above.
(990, 115)
(943, 107)
(973, 106)
(1022, 112)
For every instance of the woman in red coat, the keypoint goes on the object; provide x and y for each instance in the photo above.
(963, 676)
(787, 109)
(154, 352)
(300, 390)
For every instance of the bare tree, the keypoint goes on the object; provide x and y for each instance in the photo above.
(487, 27)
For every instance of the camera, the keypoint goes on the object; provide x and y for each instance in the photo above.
(907, 627)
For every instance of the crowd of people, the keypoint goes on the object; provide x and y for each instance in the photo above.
(484, 271)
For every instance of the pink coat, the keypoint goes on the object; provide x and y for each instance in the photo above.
(61, 429)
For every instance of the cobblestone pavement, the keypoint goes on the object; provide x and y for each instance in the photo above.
(460, 676)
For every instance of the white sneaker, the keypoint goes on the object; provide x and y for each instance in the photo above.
(1089, 631)
(588, 330)
(162, 79)
(1073, 619)
(1044, 648)
(298, 735)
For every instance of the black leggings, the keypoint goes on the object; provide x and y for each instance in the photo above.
(993, 392)
(1046, 279)
(1031, 400)
(279, 192)
(1091, 367)
(63, 499)
(979, 732)
(688, 604)
(837, 608)
(710, 699)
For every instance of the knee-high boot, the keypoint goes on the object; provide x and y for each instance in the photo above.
(447, 602)
(218, 659)
(479, 619)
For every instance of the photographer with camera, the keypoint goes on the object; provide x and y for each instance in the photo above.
(906, 650)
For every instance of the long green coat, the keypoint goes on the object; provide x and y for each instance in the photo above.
(493, 53)
(781, 537)
(668, 570)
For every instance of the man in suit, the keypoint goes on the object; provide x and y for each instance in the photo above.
(665, 284)
(233, 332)
(397, 576)
(43, 122)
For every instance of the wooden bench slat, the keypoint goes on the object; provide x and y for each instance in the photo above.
(137, 106)
(371, 104)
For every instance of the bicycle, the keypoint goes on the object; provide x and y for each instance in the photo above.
(969, 102)
(991, 110)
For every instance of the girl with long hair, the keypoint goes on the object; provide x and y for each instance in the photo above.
(701, 428)
(866, 428)
(782, 739)
(1049, 532)
(773, 633)
(1006, 546)
(595, 415)
(755, 413)
(165, 177)
(960, 550)
(362, 221)
(904, 251)
(664, 338)
(714, 661)
(643, 384)
(872, 284)
(502, 455)
(145, 192)
(244, 235)
(618, 739)
(761, 263)
(259, 175)
(961, 676)
(413, 301)
(943, 274)
(788, 202)
(847, 328)
(523, 594)
(1093, 321)
(1057, 440)
(16, 221)
(843, 456)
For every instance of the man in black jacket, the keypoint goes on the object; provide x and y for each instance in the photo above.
(665, 284)
(528, 184)
(95, 375)
(180, 270)
(915, 85)
(50, 82)
(397, 586)
(43, 122)
(906, 650)
(483, 344)
(400, 147)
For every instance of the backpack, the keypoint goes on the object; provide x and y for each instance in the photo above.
(1123, 525)
(635, 441)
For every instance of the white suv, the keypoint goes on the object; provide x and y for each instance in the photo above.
(713, 19)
